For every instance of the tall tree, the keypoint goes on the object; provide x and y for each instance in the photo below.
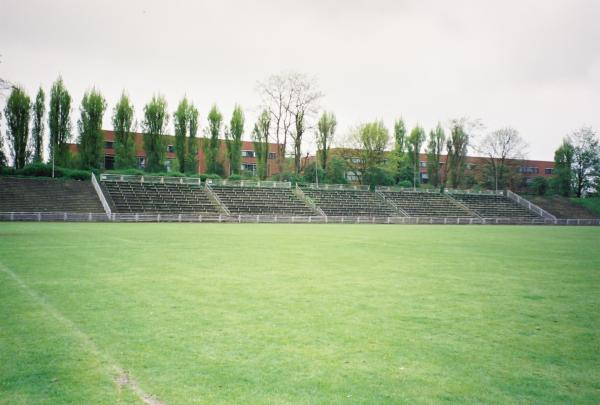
(277, 93)
(325, 131)
(435, 147)
(562, 176)
(457, 146)
(2, 155)
(260, 135)
(37, 127)
(305, 96)
(59, 123)
(156, 119)
(296, 136)
(367, 149)
(18, 113)
(501, 148)
(586, 159)
(211, 148)
(191, 160)
(415, 142)
(399, 156)
(91, 136)
(181, 118)
(123, 125)
(234, 140)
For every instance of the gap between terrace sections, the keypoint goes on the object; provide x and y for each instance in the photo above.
(120, 377)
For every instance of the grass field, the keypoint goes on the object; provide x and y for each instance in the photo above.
(298, 314)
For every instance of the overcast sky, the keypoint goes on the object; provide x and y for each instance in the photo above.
(532, 65)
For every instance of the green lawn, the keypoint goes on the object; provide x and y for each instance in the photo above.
(298, 314)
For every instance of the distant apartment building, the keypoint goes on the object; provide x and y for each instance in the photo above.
(248, 155)
(527, 168)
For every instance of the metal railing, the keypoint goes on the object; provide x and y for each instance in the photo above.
(288, 219)
(212, 195)
(98, 189)
(151, 179)
(470, 191)
(249, 183)
(437, 191)
(335, 186)
(529, 205)
(298, 191)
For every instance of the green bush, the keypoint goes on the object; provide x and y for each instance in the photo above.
(235, 177)
(538, 186)
(75, 174)
(336, 171)
(130, 172)
(40, 170)
(211, 176)
(45, 170)
(405, 184)
(7, 171)
(377, 176)
(311, 171)
(288, 176)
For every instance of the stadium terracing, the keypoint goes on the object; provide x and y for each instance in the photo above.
(122, 198)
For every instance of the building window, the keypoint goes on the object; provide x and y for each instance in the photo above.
(548, 170)
(247, 153)
(249, 167)
(109, 162)
(422, 164)
(169, 164)
(108, 144)
(170, 149)
(141, 162)
(528, 170)
(272, 155)
(352, 176)
(356, 160)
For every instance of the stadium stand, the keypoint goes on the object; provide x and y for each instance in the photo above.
(494, 206)
(158, 195)
(350, 203)
(419, 204)
(47, 195)
(261, 201)
(157, 198)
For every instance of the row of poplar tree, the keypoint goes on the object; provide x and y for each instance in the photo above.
(26, 122)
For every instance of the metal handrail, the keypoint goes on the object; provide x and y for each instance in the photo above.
(249, 183)
(321, 186)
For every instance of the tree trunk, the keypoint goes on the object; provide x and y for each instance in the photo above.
(297, 156)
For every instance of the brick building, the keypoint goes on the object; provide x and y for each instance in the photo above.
(526, 168)
(248, 158)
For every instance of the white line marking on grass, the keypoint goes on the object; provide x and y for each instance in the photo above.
(122, 378)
